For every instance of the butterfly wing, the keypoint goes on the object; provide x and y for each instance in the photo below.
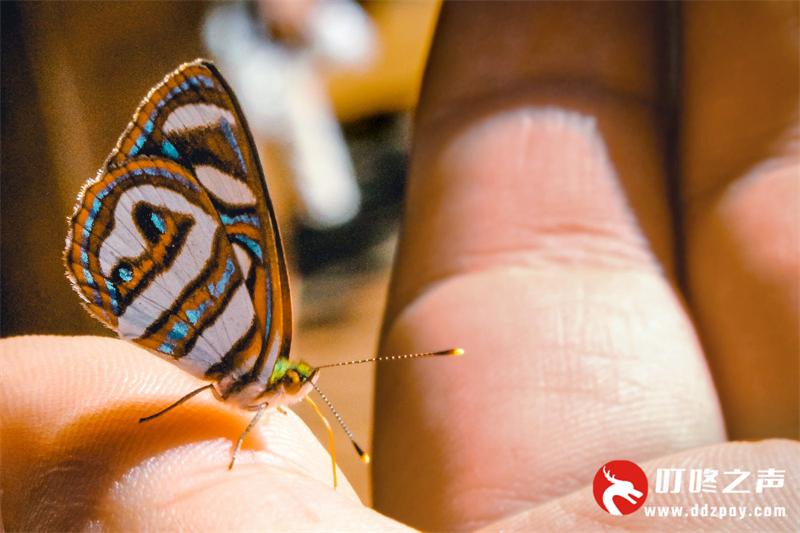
(175, 244)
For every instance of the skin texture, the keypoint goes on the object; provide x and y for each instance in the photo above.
(539, 237)
(73, 455)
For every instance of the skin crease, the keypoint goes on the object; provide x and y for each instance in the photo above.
(537, 237)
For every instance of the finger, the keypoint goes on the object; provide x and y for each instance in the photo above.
(742, 206)
(580, 511)
(74, 455)
(537, 237)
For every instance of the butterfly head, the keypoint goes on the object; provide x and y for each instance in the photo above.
(296, 379)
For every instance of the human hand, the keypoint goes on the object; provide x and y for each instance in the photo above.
(74, 457)
(539, 237)
(548, 233)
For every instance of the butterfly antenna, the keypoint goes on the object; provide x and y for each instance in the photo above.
(451, 351)
(364, 456)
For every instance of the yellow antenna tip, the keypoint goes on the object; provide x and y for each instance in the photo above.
(451, 351)
(364, 456)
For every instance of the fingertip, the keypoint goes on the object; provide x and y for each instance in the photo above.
(76, 453)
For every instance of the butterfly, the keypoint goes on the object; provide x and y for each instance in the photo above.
(175, 246)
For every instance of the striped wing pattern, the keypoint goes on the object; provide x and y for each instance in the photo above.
(175, 245)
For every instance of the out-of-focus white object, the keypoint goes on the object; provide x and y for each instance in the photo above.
(284, 99)
(340, 32)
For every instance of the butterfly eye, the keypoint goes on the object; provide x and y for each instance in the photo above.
(123, 273)
(150, 222)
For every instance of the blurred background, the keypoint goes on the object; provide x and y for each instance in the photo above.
(328, 89)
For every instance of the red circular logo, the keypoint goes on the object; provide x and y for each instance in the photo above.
(620, 487)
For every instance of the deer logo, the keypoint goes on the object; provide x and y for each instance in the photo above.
(621, 488)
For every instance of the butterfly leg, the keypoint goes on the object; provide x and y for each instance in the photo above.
(176, 404)
(282, 411)
(330, 436)
(250, 426)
